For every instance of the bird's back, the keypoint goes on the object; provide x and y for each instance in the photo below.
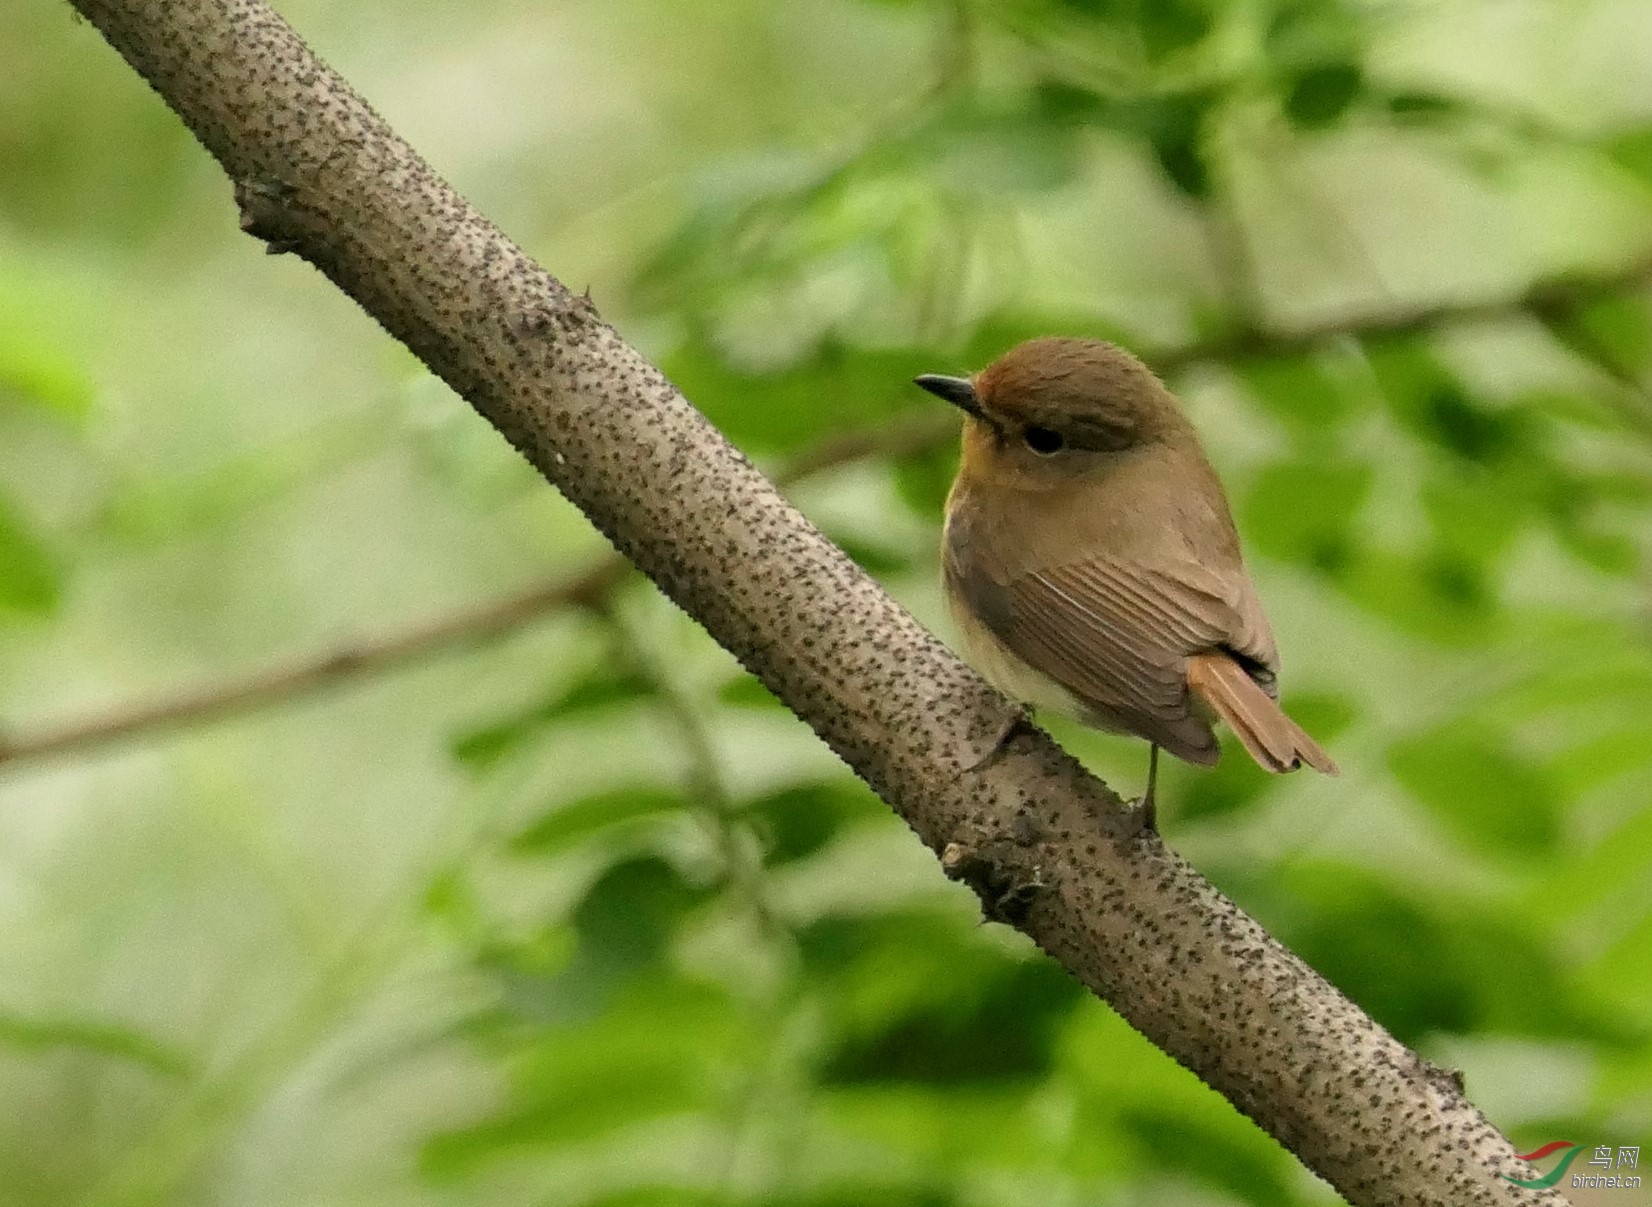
(1092, 601)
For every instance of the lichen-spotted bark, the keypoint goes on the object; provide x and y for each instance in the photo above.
(317, 173)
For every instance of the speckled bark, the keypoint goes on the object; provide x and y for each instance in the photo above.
(317, 173)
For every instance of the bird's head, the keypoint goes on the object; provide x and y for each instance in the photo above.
(1051, 409)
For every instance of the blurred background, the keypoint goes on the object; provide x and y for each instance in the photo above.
(487, 894)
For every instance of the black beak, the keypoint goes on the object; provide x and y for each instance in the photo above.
(956, 390)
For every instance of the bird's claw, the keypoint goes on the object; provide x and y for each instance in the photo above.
(1145, 811)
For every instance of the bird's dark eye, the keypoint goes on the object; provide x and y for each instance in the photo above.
(1043, 440)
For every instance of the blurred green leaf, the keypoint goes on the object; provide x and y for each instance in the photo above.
(1305, 512)
(1233, 784)
(40, 373)
(1000, 331)
(799, 234)
(29, 581)
(1620, 978)
(619, 934)
(1423, 961)
(1619, 553)
(628, 915)
(798, 822)
(1632, 150)
(1595, 875)
(919, 1001)
(1506, 466)
(581, 820)
(1174, 126)
(525, 964)
(1305, 32)
(1604, 757)
(1300, 390)
(1429, 399)
(1002, 152)
(1488, 795)
(1170, 26)
(158, 511)
(651, 1056)
(452, 899)
(925, 1128)
(876, 559)
(1160, 27)
(774, 411)
(1620, 328)
(1131, 1105)
(1065, 103)
(1215, 1155)
(923, 480)
(604, 686)
(1422, 108)
(45, 1034)
(747, 691)
(856, 1192)
(1322, 94)
(1000, 1032)
(1474, 524)
(1183, 163)
(1465, 427)
(1434, 594)
(1595, 668)
(669, 1196)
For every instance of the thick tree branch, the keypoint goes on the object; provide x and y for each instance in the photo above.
(319, 174)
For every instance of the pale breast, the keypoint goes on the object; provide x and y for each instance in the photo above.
(1010, 675)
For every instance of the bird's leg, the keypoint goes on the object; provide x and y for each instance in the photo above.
(1147, 809)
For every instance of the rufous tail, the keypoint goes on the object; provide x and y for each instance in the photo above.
(1273, 739)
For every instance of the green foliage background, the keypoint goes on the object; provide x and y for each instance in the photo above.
(576, 915)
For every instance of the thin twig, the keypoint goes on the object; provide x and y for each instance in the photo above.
(910, 434)
(303, 676)
(1566, 291)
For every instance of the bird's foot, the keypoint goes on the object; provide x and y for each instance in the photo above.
(1145, 812)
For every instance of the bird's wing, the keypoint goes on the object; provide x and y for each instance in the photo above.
(1118, 635)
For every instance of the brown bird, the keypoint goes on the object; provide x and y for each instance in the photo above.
(1091, 563)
